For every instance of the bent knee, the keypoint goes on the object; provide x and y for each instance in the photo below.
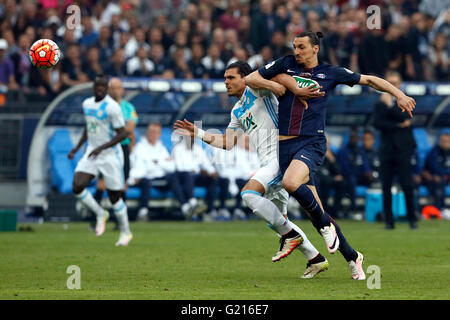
(290, 185)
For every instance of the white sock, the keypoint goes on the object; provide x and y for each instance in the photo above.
(185, 208)
(86, 198)
(120, 210)
(306, 247)
(266, 210)
(193, 202)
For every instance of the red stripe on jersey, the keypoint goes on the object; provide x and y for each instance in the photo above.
(296, 117)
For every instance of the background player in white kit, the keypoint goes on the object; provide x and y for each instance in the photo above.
(256, 113)
(105, 128)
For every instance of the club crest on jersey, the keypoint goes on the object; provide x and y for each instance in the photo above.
(321, 76)
(304, 82)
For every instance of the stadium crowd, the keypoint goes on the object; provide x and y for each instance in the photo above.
(198, 39)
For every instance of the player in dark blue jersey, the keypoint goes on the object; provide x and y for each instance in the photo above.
(302, 142)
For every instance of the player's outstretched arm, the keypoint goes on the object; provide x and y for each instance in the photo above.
(303, 93)
(224, 141)
(404, 102)
(255, 81)
(121, 134)
(83, 139)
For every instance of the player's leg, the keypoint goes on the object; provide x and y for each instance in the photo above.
(387, 175)
(308, 198)
(112, 170)
(121, 212)
(405, 174)
(316, 262)
(85, 171)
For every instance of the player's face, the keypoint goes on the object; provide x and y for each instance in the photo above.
(304, 51)
(100, 89)
(234, 82)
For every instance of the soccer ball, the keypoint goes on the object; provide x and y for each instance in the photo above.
(44, 54)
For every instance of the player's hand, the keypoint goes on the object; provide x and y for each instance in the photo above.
(407, 104)
(277, 89)
(304, 103)
(95, 153)
(309, 92)
(71, 154)
(184, 127)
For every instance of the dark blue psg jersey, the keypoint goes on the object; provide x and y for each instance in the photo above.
(293, 119)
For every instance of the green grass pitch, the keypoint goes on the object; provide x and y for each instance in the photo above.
(223, 260)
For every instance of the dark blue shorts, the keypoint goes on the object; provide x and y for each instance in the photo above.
(308, 149)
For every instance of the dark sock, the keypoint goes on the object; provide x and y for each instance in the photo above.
(290, 234)
(317, 259)
(306, 199)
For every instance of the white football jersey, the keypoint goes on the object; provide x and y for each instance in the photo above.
(102, 118)
(256, 113)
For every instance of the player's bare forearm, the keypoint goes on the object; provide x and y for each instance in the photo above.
(255, 81)
(303, 93)
(222, 141)
(403, 101)
(82, 140)
(121, 134)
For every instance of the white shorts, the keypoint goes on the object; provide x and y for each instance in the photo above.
(109, 164)
(271, 178)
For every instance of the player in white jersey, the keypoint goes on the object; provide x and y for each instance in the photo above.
(256, 113)
(104, 130)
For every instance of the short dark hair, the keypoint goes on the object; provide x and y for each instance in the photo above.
(314, 37)
(243, 67)
(100, 77)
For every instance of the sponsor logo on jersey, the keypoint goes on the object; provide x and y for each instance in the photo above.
(289, 70)
(249, 124)
(304, 82)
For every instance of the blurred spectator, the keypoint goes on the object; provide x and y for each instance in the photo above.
(353, 164)
(330, 178)
(372, 176)
(117, 66)
(258, 60)
(395, 45)
(72, 72)
(279, 46)
(105, 46)
(196, 66)
(373, 53)
(179, 64)
(438, 56)
(416, 48)
(7, 80)
(140, 65)
(193, 168)
(343, 50)
(213, 64)
(158, 58)
(263, 24)
(151, 165)
(436, 174)
(92, 65)
(89, 36)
